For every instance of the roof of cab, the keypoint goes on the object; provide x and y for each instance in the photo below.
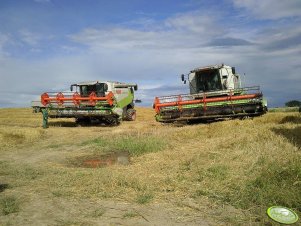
(210, 67)
(89, 83)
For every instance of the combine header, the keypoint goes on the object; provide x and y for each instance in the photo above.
(215, 93)
(107, 102)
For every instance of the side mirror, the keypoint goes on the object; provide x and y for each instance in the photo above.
(233, 70)
(136, 87)
(184, 81)
(182, 77)
(71, 88)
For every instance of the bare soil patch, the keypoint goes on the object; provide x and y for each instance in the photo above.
(101, 160)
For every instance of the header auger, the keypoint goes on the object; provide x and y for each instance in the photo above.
(215, 93)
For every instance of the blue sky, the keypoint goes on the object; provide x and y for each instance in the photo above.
(45, 45)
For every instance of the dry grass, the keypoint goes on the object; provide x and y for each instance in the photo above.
(285, 109)
(230, 171)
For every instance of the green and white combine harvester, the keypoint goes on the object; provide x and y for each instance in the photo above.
(215, 93)
(105, 102)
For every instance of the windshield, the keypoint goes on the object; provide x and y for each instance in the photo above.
(208, 80)
(98, 88)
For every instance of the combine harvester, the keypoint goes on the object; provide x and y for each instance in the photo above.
(215, 93)
(107, 102)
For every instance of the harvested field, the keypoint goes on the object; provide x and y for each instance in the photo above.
(147, 173)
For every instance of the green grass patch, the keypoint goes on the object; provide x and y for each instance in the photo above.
(217, 172)
(130, 214)
(134, 145)
(199, 193)
(30, 173)
(140, 145)
(9, 204)
(144, 198)
(100, 142)
(277, 184)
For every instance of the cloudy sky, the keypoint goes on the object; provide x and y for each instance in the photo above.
(45, 45)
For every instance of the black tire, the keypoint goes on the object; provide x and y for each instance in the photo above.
(112, 121)
(130, 114)
(83, 121)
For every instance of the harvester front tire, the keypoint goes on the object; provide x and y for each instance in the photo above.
(112, 121)
(130, 114)
(83, 121)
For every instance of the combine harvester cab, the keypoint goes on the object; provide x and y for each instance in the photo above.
(215, 93)
(107, 102)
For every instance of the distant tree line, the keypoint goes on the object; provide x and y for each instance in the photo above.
(293, 103)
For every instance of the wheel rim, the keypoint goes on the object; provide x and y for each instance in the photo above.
(133, 116)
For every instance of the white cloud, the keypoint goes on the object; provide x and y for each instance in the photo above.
(271, 9)
(181, 31)
(195, 22)
(30, 38)
(115, 38)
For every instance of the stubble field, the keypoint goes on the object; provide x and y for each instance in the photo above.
(147, 173)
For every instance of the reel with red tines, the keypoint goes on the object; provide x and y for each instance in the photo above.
(76, 99)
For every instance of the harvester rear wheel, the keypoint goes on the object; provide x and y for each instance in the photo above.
(130, 114)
